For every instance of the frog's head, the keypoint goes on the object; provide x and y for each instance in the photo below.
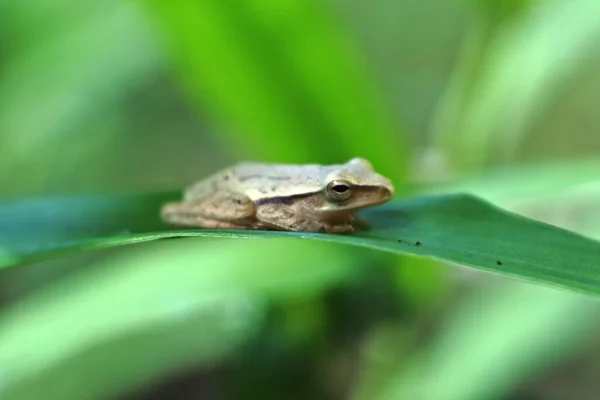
(354, 186)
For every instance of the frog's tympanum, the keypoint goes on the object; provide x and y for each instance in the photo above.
(308, 198)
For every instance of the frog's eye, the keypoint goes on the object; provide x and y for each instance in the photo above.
(338, 190)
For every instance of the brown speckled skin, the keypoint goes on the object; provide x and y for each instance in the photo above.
(280, 197)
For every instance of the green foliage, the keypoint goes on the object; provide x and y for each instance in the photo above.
(496, 343)
(286, 75)
(455, 228)
(39, 107)
(136, 97)
(514, 71)
(154, 310)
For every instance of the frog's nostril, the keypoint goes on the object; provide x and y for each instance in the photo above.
(386, 192)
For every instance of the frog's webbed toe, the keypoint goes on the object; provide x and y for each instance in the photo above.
(337, 228)
(222, 209)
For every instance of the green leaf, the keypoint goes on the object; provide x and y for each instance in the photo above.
(527, 182)
(286, 75)
(92, 59)
(505, 83)
(562, 193)
(153, 311)
(456, 228)
(484, 349)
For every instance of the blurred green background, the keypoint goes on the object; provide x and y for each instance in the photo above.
(494, 97)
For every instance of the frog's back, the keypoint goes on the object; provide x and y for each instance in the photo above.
(257, 180)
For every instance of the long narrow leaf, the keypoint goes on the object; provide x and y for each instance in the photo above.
(457, 228)
(157, 310)
(494, 340)
(282, 79)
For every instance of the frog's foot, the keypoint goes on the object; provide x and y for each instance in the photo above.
(337, 228)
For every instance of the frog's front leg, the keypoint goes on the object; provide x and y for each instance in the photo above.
(221, 210)
(289, 219)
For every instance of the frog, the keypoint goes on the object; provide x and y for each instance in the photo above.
(282, 197)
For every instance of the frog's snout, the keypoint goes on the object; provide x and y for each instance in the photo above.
(387, 189)
(387, 192)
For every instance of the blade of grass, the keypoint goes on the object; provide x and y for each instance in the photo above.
(89, 63)
(158, 310)
(285, 75)
(322, 58)
(524, 182)
(494, 340)
(561, 193)
(456, 228)
(518, 72)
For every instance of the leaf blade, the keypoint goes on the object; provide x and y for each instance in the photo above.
(159, 309)
(457, 228)
(285, 79)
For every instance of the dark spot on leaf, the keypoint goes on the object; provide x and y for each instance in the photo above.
(399, 241)
(499, 262)
(417, 243)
